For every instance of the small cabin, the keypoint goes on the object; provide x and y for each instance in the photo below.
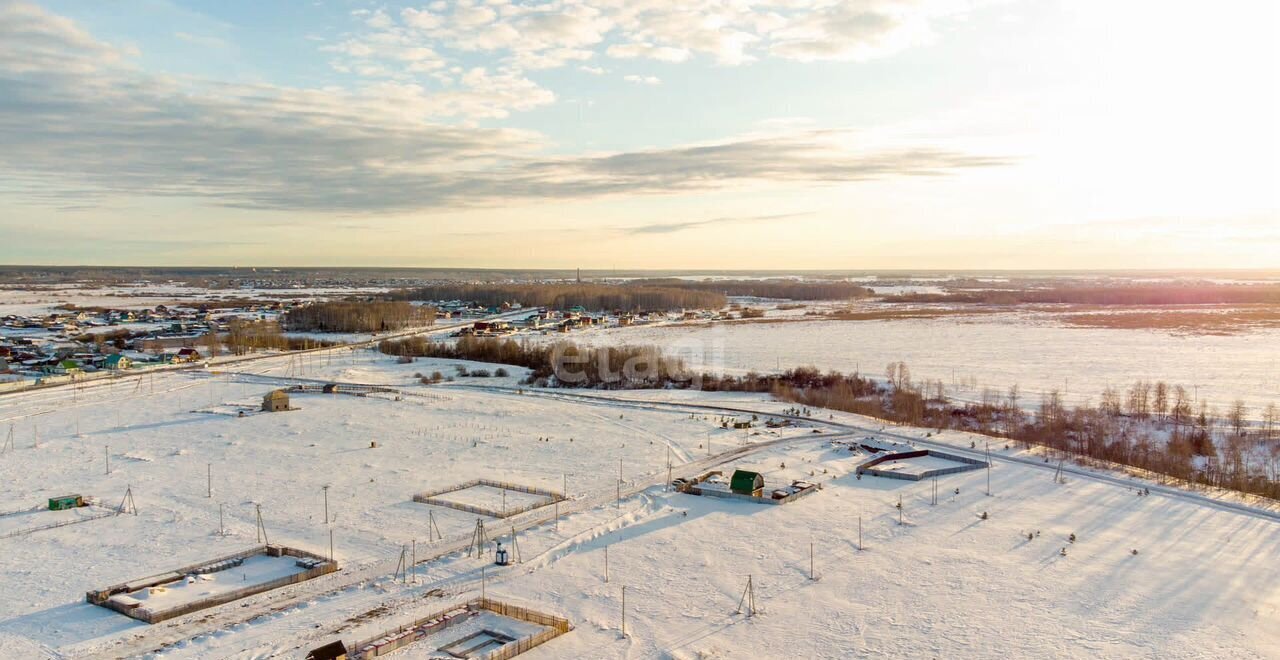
(746, 482)
(64, 502)
(331, 651)
(275, 401)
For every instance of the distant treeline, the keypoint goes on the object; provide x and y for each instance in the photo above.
(1162, 294)
(772, 288)
(568, 295)
(358, 316)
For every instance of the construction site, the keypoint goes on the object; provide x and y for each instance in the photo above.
(606, 524)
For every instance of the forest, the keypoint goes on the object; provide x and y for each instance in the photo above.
(358, 316)
(593, 297)
(787, 289)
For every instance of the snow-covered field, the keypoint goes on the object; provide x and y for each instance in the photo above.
(946, 583)
(27, 300)
(969, 354)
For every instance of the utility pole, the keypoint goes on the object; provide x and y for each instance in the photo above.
(209, 480)
(331, 545)
(222, 530)
(618, 499)
(988, 468)
(325, 488)
(106, 455)
(624, 610)
(668, 467)
(859, 533)
(606, 564)
(811, 574)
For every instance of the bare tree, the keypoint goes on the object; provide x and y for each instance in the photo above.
(1236, 416)
(1161, 402)
(1110, 403)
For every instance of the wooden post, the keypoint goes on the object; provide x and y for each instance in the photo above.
(624, 610)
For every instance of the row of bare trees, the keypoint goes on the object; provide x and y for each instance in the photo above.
(562, 364)
(1152, 426)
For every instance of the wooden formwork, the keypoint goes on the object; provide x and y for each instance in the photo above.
(437, 497)
(102, 597)
(402, 636)
(965, 464)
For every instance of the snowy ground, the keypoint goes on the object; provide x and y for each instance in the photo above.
(945, 583)
(40, 300)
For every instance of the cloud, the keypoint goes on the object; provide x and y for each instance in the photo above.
(673, 227)
(546, 34)
(647, 50)
(80, 124)
(643, 80)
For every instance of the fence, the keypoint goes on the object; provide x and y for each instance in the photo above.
(965, 462)
(63, 523)
(102, 597)
(393, 640)
(434, 497)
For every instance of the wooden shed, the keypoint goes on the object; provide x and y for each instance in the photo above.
(746, 482)
(275, 401)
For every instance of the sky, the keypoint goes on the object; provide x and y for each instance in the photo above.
(666, 134)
